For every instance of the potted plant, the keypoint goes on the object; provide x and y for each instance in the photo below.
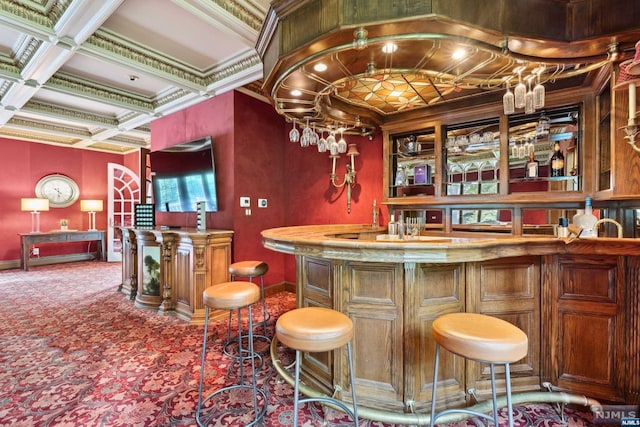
(64, 224)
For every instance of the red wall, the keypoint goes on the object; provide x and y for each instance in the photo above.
(246, 134)
(254, 159)
(310, 197)
(21, 166)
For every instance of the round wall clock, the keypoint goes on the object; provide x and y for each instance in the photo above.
(61, 190)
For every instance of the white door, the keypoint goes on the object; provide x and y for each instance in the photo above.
(124, 193)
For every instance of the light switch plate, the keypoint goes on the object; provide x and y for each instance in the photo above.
(245, 202)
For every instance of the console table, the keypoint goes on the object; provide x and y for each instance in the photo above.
(28, 239)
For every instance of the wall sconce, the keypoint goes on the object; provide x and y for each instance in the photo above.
(629, 81)
(91, 206)
(349, 177)
(35, 206)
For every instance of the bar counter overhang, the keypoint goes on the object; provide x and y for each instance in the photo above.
(576, 299)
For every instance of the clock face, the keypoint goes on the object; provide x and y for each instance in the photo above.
(61, 190)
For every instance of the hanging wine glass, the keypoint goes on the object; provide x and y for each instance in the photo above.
(305, 139)
(519, 91)
(294, 133)
(322, 143)
(314, 137)
(342, 144)
(528, 100)
(480, 164)
(332, 144)
(538, 92)
(514, 148)
(508, 102)
(493, 164)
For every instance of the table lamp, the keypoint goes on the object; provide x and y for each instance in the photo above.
(35, 206)
(91, 206)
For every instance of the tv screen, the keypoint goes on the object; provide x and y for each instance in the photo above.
(184, 175)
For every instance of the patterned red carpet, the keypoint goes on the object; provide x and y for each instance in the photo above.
(74, 352)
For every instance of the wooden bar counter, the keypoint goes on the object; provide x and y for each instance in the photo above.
(577, 301)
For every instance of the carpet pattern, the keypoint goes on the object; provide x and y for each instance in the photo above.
(74, 352)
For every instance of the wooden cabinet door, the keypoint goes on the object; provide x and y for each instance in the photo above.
(509, 289)
(588, 330)
(373, 299)
(435, 289)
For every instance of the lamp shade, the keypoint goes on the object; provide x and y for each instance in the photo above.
(91, 205)
(34, 205)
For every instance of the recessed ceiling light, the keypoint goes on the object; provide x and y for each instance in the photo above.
(320, 67)
(459, 53)
(295, 92)
(389, 47)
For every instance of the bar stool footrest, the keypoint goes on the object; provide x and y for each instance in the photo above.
(329, 401)
(228, 349)
(464, 411)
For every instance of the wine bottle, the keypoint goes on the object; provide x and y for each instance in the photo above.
(557, 161)
(531, 170)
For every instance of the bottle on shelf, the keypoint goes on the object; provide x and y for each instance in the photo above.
(374, 214)
(392, 226)
(531, 170)
(585, 219)
(401, 177)
(557, 161)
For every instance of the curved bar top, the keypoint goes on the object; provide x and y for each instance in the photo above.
(358, 243)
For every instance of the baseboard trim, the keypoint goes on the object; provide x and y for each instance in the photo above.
(279, 287)
(46, 260)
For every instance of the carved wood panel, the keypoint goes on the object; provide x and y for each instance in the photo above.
(508, 288)
(437, 289)
(590, 328)
(315, 277)
(373, 299)
(183, 288)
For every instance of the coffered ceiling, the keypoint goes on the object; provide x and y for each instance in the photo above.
(94, 73)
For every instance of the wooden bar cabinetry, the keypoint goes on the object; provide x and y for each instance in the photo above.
(577, 301)
(169, 269)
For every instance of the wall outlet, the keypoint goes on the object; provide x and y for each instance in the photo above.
(35, 251)
(262, 203)
(245, 202)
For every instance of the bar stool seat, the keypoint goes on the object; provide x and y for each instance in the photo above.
(317, 329)
(484, 339)
(234, 296)
(249, 270)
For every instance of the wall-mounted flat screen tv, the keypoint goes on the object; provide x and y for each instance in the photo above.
(183, 175)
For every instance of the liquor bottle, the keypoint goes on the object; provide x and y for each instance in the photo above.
(531, 170)
(392, 227)
(557, 161)
(586, 220)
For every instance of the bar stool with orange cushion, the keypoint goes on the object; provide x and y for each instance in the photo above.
(317, 329)
(249, 270)
(234, 296)
(483, 339)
